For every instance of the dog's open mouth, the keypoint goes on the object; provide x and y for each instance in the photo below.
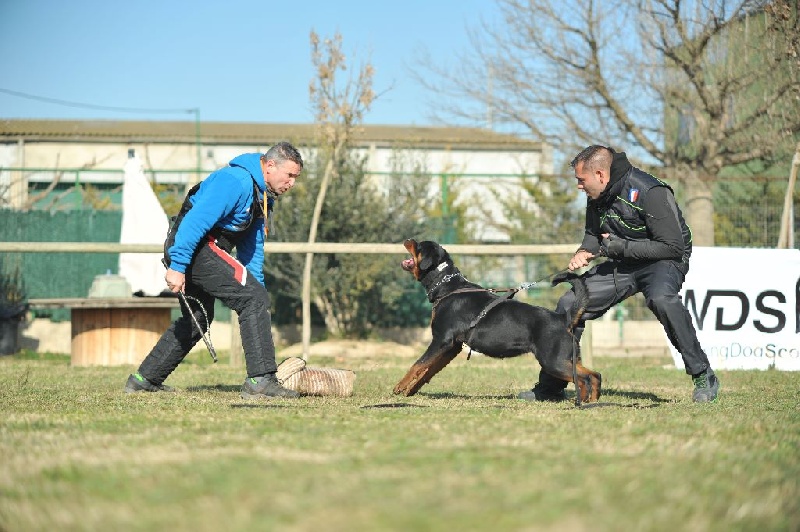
(407, 264)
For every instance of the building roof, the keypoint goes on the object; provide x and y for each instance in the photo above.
(238, 133)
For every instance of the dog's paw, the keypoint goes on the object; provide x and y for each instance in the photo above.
(407, 389)
(413, 380)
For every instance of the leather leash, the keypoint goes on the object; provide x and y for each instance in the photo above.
(206, 339)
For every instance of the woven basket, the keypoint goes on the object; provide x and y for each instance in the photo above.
(294, 375)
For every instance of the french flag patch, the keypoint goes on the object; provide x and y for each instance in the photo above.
(633, 195)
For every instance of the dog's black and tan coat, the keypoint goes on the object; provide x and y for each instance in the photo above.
(508, 329)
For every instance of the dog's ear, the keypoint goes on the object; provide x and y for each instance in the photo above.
(425, 264)
(429, 253)
(442, 256)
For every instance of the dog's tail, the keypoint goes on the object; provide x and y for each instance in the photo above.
(581, 295)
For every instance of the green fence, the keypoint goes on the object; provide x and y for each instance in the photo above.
(747, 209)
(48, 275)
(747, 214)
(62, 275)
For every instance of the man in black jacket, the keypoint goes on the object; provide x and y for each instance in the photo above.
(632, 218)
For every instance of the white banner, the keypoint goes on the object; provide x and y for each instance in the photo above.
(745, 305)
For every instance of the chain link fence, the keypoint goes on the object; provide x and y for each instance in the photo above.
(747, 213)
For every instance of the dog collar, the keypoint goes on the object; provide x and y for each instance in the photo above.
(437, 270)
(445, 279)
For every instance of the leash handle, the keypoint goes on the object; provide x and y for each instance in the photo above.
(206, 340)
(575, 371)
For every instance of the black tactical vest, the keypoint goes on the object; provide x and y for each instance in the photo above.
(227, 239)
(622, 214)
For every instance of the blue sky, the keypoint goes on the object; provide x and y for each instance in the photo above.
(235, 60)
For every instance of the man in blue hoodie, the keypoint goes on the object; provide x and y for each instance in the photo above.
(231, 208)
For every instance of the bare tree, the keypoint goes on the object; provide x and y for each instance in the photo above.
(785, 24)
(692, 87)
(339, 108)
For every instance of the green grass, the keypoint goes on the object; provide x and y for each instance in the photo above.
(78, 454)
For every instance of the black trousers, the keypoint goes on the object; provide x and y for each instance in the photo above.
(215, 274)
(612, 282)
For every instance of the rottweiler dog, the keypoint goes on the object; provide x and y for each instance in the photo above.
(499, 327)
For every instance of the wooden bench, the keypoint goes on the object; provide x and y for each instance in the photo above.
(113, 331)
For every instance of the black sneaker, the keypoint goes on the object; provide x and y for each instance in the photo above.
(540, 395)
(706, 387)
(137, 383)
(266, 386)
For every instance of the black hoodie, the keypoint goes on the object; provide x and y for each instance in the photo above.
(640, 213)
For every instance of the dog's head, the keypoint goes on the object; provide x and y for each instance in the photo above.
(426, 256)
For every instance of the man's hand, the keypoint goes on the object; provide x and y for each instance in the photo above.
(176, 281)
(581, 259)
(613, 246)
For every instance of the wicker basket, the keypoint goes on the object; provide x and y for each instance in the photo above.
(295, 375)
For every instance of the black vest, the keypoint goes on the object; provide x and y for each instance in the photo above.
(622, 214)
(226, 239)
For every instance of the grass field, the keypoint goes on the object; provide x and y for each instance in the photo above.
(78, 454)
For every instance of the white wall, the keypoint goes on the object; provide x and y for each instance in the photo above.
(478, 171)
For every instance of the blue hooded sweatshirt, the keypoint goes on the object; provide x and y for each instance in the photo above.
(224, 200)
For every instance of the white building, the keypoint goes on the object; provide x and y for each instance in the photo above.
(35, 152)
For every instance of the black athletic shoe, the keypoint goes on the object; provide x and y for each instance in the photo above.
(137, 383)
(540, 395)
(706, 387)
(266, 386)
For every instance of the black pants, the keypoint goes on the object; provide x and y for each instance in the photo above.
(214, 273)
(612, 282)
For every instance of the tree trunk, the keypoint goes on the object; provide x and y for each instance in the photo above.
(699, 209)
(332, 323)
(786, 237)
(312, 237)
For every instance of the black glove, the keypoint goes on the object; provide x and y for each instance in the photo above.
(613, 247)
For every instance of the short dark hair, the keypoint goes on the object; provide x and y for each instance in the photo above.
(283, 151)
(594, 156)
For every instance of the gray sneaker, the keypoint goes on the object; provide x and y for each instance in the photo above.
(540, 395)
(266, 386)
(137, 383)
(706, 387)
